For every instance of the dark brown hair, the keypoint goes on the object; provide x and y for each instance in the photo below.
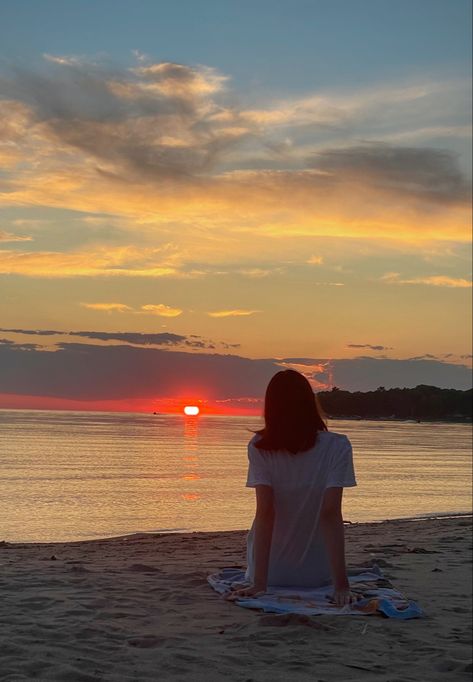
(292, 415)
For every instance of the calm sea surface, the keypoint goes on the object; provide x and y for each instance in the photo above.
(76, 475)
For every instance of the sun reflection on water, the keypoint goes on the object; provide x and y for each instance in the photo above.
(190, 458)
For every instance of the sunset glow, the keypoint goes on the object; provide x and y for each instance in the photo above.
(236, 281)
(186, 217)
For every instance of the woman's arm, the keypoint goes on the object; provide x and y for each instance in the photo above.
(264, 522)
(331, 524)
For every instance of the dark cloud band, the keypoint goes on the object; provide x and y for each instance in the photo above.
(95, 372)
(159, 339)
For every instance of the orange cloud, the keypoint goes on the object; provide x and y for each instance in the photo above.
(9, 237)
(329, 284)
(433, 280)
(167, 157)
(125, 261)
(180, 80)
(276, 204)
(109, 307)
(161, 309)
(232, 313)
(149, 309)
(258, 273)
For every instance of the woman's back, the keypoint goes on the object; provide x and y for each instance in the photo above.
(298, 554)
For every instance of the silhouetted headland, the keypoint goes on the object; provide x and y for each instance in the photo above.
(422, 403)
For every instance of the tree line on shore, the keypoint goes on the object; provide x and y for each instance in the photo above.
(422, 403)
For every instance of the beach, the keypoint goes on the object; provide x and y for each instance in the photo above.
(139, 607)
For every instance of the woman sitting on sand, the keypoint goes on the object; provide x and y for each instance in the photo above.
(299, 470)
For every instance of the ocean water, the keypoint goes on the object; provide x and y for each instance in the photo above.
(78, 475)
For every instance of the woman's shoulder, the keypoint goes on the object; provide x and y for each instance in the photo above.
(332, 437)
(334, 434)
(252, 442)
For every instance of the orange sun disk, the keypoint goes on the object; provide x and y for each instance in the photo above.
(191, 410)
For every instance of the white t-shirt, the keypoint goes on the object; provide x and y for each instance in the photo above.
(298, 556)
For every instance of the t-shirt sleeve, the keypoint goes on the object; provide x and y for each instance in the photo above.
(258, 467)
(342, 473)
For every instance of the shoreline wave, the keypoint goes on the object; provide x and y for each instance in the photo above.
(169, 531)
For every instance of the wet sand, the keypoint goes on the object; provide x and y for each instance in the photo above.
(139, 608)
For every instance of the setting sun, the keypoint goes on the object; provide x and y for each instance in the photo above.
(191, 410)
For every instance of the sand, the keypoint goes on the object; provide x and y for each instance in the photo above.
(139, 608)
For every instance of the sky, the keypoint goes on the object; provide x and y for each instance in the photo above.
(194, 195)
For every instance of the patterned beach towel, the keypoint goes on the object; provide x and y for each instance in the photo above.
(376, 592)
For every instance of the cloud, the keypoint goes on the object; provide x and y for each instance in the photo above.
(109, 307)
(453, 356)
(37, 332)
(415, 173)
(15, 119)
(368, 345)
(161, 309)
(89, 372)
(329, 284)
(366, 374)
(161, 338)
(19, 346)
(426, 356)
(65, 60)
(180, 81)
(31, 223)
(318, 372)
(85, 372)
(232, 313)
(258, 273)
(138, 338)
(429, 132)
(128, 261)
(432, 280)
(363, 108)
(156, 120)
(163, 144)
(315, 260)
(9, 237)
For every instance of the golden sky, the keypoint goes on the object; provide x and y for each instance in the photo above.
(149, 196)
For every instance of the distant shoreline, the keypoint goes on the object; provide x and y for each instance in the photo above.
(459, 420)
(464, 420)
